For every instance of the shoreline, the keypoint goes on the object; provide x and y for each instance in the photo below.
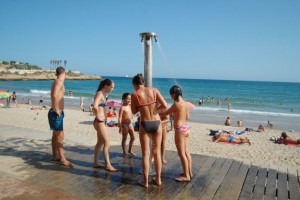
(78, 127)
(80, 78)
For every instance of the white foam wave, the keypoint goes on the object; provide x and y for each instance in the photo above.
(71, 97)
(264, 113)
(40, 91)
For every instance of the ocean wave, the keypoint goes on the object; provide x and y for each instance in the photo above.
(40, 91)
(71, 97)
(264, 113)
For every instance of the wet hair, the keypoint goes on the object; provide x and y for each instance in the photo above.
(138, 80)
(59, 71)
(284, 135)
(176, 91)
(103, 83)
(125, 95)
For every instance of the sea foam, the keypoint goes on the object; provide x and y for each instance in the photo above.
(262, 113)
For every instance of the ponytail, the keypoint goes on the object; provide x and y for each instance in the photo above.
(176, 91)
(103, 83)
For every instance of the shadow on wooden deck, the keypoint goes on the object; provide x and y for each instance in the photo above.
(214, 178)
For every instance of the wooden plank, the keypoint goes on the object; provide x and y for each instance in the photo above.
(98, 182)
(249, 184)
(271, 186)
(293, 184)
(259, 188)
(213, 186)
(127, 189)
(282, 191)
(204, 177)
(171, 188)
(224, 188)
(56, 175)
(236, 183)
(87, 182)
(187, 192)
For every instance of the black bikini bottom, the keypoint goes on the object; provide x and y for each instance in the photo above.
(150, 126)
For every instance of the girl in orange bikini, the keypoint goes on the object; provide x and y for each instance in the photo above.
(181, 114)
(125, 124)
(144, 100)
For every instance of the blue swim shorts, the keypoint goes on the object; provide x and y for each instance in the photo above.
(55, 121)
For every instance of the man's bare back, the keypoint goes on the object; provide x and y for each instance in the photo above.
(57, 96)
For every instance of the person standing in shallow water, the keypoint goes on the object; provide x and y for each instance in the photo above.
(103, 141)
(56, 116)
(144, 100)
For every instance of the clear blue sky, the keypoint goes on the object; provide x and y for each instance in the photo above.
(202, 39)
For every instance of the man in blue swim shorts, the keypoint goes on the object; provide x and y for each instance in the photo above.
(56, 116)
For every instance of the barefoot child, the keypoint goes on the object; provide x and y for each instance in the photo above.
(181, 114)
(164, 121)
(125, 124)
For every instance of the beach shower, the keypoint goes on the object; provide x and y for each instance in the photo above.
(146, 38)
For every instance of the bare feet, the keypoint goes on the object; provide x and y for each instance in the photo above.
(158, 183)
(66, 164)
(143, 184)
(124, 155)
(191, 176)
(98, 166)
(131, 154)
(111, 169)
(164, 161)
(55, 160)
(182, 179)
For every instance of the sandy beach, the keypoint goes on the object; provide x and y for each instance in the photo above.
(79, 130)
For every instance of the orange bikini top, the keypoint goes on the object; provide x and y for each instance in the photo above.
(145, 104)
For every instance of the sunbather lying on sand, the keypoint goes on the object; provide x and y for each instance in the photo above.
(289, 140)
(225, 137)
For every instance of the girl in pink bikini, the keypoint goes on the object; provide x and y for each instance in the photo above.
(181, 114)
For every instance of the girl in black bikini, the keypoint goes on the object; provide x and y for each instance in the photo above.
(144, 101)
(105, 86)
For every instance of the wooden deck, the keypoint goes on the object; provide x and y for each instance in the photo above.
(214, 178)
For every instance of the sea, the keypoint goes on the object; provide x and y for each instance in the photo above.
(254, 102)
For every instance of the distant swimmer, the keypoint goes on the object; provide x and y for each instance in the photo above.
(270, 125)
(229, 106)
(208, 98)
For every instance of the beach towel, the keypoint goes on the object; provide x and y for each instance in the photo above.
(112, 123)
(236, 132)
(280, 141)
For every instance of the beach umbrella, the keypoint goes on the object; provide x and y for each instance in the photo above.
(113, 104)
(190, 105)
(4, 94)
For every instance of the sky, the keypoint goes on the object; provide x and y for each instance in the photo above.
(255, 40)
